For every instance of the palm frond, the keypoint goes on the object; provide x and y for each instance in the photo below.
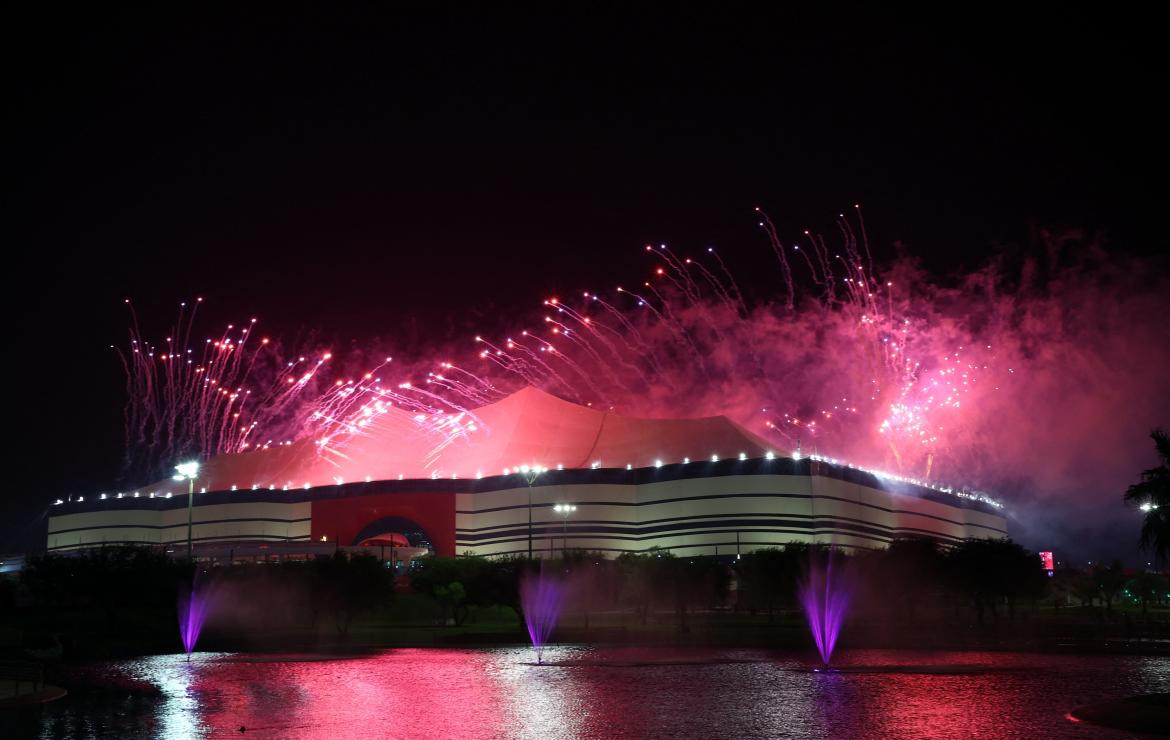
(1153, 494)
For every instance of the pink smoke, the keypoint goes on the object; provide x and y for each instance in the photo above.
(1035, 378)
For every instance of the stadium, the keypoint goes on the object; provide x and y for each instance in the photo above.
(530, 474)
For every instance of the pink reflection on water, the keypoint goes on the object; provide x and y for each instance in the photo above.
(592, 692)
(439, 693)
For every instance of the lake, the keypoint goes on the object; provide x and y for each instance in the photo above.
(590, 693)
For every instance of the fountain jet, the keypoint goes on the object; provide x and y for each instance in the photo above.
(192, 612)
(541, 598)
(825, 602)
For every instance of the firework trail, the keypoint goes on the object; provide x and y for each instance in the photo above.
(185, 402)
(886, 367)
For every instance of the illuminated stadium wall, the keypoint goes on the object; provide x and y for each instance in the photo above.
(689, 485)
(160, 521)
(699, 507)
(696, 508)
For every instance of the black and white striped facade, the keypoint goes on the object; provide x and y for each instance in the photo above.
(692, 508)
(216, 518)
(705, 508)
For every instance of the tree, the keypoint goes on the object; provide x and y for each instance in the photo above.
(909, 571)
(1152, 496)
(592, 581)
(450, 598)
(106, 579)
(767, 577)
(645, 580)
(1027, 579)
(1084, 588)
(348, 585)
(1110, 581)
(1147, 587)
(463, 583)
(990, 571)
(501, 584)
(694, 581)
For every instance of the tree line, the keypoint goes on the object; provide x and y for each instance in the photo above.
(129, 593)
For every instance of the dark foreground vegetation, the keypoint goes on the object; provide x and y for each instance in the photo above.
(121, 601)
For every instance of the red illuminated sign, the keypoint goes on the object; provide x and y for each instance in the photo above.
(1046, 559)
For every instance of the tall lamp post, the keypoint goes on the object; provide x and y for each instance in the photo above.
(188, 471)
(530, 474)
(564, 510)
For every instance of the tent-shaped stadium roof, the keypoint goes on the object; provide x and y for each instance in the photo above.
(529, 427)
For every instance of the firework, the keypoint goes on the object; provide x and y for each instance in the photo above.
(187, 397)
(883, 367)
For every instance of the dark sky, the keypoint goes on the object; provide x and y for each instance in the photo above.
(379, 170)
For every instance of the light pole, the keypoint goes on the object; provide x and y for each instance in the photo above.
(188, 471)
(564, 510)
(530, 474)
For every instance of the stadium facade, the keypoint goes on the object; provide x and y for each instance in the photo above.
(488, 482)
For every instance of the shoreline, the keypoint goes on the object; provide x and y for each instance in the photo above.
(434, 638)
(1146, 713)
(43, 695)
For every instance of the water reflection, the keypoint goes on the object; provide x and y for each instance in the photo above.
(178, 715)
(587, 692)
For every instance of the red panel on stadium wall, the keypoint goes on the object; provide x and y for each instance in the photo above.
(342, 519)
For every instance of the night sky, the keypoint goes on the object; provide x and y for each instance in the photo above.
(420, 172)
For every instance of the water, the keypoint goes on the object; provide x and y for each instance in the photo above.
(541, 599)
(494, 693)
(825, 602)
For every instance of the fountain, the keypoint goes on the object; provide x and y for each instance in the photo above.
(825, 602)
(192, 612)
(540, 597)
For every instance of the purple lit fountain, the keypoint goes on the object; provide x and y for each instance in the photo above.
(192, 612)
(825, 602)
(541, 598)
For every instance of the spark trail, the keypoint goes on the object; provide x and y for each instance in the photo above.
(882, 365)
